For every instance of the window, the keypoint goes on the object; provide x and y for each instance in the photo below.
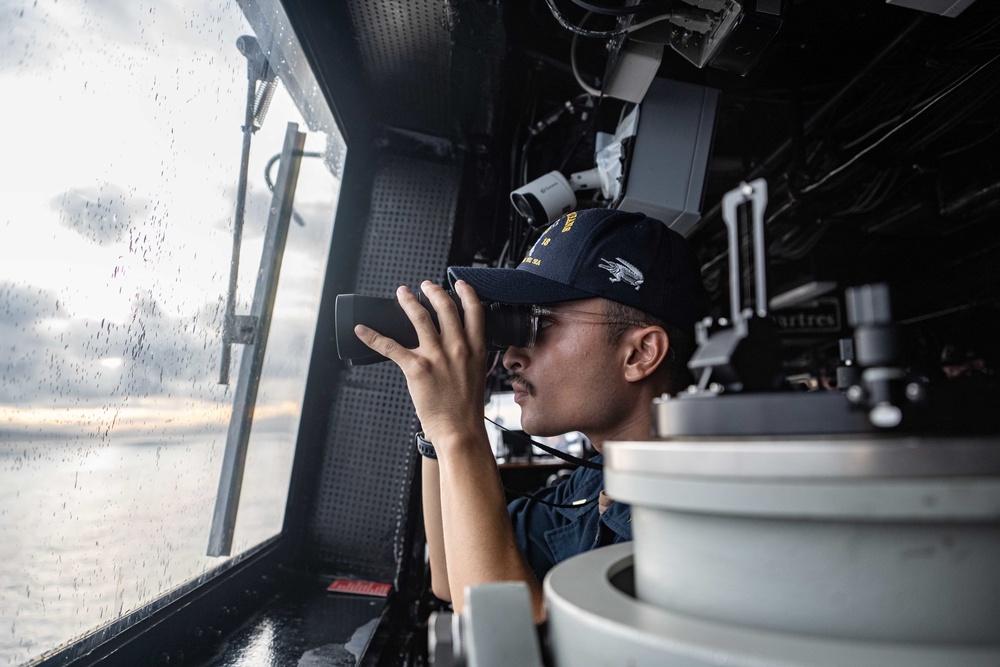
(121, 131)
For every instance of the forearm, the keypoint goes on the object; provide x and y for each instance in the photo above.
(431, 491)
(476, 527)
(469, 511)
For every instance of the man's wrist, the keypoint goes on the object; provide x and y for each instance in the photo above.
(447, 440)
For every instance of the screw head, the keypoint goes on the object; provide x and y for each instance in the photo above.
(916, 392)
(856, 394)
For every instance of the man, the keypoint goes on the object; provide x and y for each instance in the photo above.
(621, 293)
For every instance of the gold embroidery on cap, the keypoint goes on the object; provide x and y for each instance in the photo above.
(542, 240)
(570, 219)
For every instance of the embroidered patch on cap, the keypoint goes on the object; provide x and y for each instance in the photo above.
(621, 270)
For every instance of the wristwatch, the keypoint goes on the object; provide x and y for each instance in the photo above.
(424, 446)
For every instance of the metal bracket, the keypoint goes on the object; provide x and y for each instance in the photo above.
(259, 71)
(739, 355)
(252, 331)
(756, 192)
(244, 330)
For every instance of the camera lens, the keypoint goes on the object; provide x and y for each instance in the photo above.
(506, 324)
(528, 205)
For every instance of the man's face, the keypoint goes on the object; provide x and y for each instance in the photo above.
(571, 379)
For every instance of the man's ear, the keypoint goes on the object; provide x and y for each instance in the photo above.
(646, 349)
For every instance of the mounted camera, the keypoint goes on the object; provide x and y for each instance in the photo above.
(549, 196)
(507, 325)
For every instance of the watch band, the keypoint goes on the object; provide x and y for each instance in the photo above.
(424, 447)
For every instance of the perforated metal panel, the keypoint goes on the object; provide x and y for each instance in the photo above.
(366, 491)
(396, 39)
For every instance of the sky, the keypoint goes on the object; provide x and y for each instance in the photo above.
(118, 183)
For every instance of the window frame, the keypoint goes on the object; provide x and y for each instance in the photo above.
(191, 620)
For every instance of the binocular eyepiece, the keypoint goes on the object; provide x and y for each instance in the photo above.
(507, 325)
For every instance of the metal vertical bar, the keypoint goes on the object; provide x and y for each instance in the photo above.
(755, 193)
(231, 479)
(234, 266)
(759, 197)
(730, 202)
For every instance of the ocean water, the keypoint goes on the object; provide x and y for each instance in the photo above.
(89, 533)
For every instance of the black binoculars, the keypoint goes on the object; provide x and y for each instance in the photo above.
(507, 325)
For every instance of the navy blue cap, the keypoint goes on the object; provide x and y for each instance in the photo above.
(621, 256)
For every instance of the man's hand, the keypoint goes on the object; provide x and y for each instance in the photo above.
(445, 373)
(469, 534)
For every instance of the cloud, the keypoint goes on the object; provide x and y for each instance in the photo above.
(48, 359)
(23, 355)
(100, 213)
(42, 36)
(21, 305)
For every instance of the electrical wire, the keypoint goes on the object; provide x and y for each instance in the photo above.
(787, 205)
(794, 241)
(518, 160)
(578, 30)
(970, 39)
(576, 34)
(576, 70)
(650, 21)
(940, 96)
(582, 102)
(501, 260)
(946, 311)
(982, 139)
(876, 194)
(874, 130)
(617, 11)
(803, 245)
(878, 114)
(961, 109)
(571, 150)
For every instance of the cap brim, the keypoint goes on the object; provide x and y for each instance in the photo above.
(515, 286)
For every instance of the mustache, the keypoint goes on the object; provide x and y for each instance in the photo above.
(525, 383)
